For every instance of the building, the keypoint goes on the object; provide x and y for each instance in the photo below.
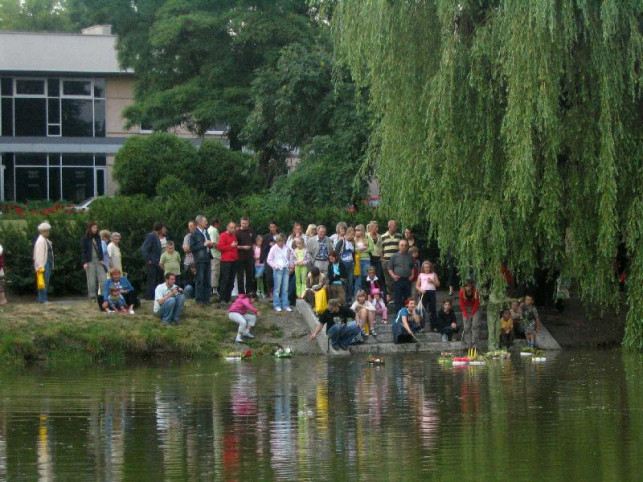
(62, 98)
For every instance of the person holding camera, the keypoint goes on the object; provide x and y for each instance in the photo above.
(169, 300)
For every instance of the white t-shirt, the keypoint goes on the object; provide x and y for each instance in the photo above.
(161, 291)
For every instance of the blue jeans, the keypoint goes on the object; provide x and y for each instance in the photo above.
(202, 290)
(349, 285)
(341, 335)
(402, 290)
(42, 294)
(280, 288)
(171, 309)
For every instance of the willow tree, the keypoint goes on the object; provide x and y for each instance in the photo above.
(515, 128)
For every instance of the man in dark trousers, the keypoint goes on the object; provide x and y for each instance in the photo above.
(246, 263)
(269, 242)
(151, 251)
(200, 245)
(400, 269)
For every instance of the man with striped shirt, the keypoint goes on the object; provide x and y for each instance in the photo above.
(390, 244)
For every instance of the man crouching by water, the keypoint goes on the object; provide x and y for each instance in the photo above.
(339, 330)
(168, 300)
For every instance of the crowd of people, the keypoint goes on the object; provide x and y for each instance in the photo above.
(351, 279)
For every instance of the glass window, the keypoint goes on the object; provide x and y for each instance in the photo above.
(101, 161)
(77, 87)
(54, 183)
(100, 182)
(78, 183)
(53, 130)
(31, 117)
(99, 88)
(54, 159)
(31, 183)
(53, 112)
(6, 86)
(31, 159)
(7, 117)
(53, 86)
(7, 162)
(77, 118)
(99, 118)
(78, 160)
(30, 87)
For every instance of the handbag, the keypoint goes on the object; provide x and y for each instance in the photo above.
(321, 303)
(40, 279)
(356, 270)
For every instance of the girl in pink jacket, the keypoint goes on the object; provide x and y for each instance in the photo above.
(243, 312)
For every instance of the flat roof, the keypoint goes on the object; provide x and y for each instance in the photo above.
(60, 53)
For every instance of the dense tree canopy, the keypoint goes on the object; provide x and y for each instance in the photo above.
(35, 15)
(514, 128)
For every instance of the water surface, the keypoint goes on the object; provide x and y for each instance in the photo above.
(579, 416)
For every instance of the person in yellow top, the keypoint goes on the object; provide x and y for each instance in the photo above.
(506, 329)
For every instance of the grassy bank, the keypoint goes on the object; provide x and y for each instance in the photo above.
(78, 333)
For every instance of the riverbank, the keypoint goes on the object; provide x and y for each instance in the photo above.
(74, 331)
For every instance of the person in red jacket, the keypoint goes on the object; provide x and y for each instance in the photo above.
(229, 255)
(470, 304)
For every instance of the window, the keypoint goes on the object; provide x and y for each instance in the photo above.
(30, 117)
(80, 88)
(30, 87)
(77, 118)
(72, 177)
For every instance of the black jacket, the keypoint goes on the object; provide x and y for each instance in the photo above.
(86, 247)
(201, 252)
(151, 249)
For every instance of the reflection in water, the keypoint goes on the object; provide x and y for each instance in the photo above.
(312, 418)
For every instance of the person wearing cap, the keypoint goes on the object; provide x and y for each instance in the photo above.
(43, 258)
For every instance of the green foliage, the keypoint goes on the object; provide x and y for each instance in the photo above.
(35, 15)
(18, 238)
(143, 161)
(513, 127)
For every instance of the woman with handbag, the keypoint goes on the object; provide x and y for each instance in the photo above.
(43, 261)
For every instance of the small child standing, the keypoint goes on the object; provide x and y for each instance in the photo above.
(378, 303)
(170, 262)
(243, 312)
(506, 329)
(115, 301)
(301, 266)
(259, 266)
(532, 320)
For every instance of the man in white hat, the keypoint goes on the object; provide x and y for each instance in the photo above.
(43, 259)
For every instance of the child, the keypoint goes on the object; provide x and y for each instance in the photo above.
(115, 301)
(372, 282)
(447, 321)
(516, 316)
(506, 329)
(336, 277)
(380, 306)
(302, 258)
(532, 320)
(364, 312)
(238, 313)
(170, 262)
(415, 271)
(427, 284)
(259, 266)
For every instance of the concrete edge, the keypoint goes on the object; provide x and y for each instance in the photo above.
(545, 341)
(322, 340)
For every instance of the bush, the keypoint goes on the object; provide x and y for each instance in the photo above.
(18, 237)
(143, 161)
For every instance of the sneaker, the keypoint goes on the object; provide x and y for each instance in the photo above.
(289, 309)
(364, 334)
(131, 312)
(445, 337)
(110, 312)
(238, 339)
(373, 332)
(248, 335)
(278, 310)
